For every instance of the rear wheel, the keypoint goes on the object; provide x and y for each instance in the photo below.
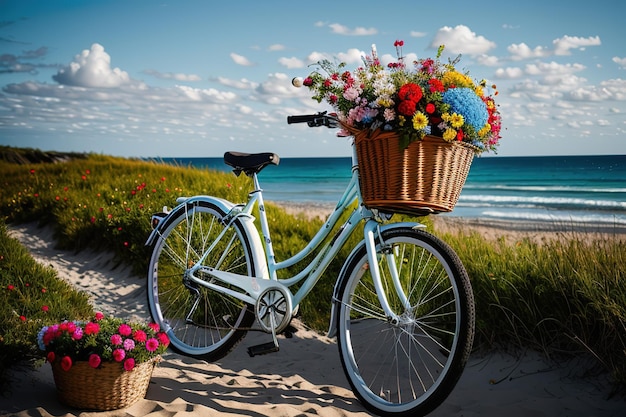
(410, 365)
(199, 321)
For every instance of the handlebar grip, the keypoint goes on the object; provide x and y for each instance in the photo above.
(301, 119)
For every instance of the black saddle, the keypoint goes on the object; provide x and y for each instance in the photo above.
(250, 163)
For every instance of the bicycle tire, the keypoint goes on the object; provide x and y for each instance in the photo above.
(219, 321)
(407, 368)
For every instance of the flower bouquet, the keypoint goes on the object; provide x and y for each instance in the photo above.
(102, 364)
(416, 125)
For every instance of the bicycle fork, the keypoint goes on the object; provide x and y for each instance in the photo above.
(370, 231)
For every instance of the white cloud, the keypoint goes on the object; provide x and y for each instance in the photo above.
(620, 61)
(173, 76)
(461, 39)
(276, 47)
(242, 84)
(240, 60)
(292, 62)
(522, 51)
(358, 31)
(415, 34)
(563, 45)
(509, 73)
(92, 68)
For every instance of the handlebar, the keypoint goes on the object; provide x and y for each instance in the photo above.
(315, 120)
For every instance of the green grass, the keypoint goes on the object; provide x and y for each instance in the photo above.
(562, 297)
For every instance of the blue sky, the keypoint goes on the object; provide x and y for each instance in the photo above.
(196, 78)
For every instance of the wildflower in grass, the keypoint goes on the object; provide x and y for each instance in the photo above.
(11, 287)
(45, 308)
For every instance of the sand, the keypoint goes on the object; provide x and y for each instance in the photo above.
(304, 378)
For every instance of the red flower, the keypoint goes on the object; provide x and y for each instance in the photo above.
(129, 364)
(398, 43)
(92, 328)
(66, 363)
(45, 308)
(119, 355)
(10, 287)
(163, 339)
(154, 326)
(407, 108)
(140, 336)
(430, 108)
(410, 91)
(94, 360)
(50, 357)
(436, 86)
(125, 330)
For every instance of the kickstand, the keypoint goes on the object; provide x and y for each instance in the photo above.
(265, 348)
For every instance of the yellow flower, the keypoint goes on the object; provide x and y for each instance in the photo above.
(420, 121)
(479, 91)
(485, 130)
(384, 102)
(457, 79)
(456, 120)
(449, 135)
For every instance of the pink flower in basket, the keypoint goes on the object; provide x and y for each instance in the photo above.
(102, 339)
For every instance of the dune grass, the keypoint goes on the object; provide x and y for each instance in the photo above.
(564, 296)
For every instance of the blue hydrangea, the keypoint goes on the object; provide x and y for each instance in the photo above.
(465, 102)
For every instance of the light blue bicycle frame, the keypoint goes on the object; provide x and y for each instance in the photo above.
(309, 276)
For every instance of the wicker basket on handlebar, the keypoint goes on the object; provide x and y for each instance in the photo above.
(428, 175)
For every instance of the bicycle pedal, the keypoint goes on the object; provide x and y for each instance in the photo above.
(262, 349)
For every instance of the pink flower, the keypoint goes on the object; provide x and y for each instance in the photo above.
(152, 345)
(116, 340)
(99, 316)
(129, 364)
(77, 334)
(94, 360)
(154, 326)
(66, 363)
(119, 355)
(50, 357)
(92, 328)
(140, 336)
(129, 344)
(125, 330)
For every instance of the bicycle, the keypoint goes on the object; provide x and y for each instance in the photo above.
(402, 307)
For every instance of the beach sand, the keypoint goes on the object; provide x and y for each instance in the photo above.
(304, 378)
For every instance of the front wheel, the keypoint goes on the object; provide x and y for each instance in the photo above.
(200, 321)
(408, 364)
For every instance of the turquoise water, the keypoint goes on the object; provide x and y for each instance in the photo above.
(589, 189)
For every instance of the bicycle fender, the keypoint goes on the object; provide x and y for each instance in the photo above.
(247, 222)
(221, 203)
(332, 327)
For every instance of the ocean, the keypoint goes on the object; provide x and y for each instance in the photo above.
(563, 189)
